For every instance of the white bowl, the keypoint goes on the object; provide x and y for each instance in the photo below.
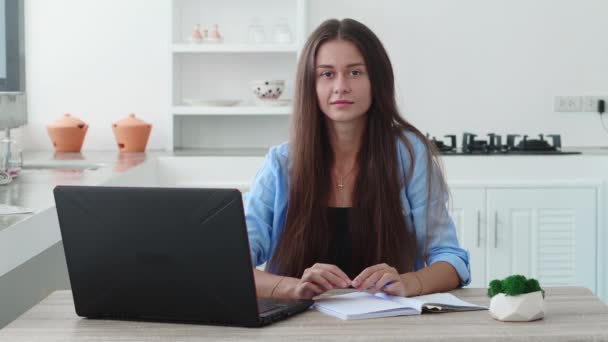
(268, 89)
(273, 103)
(210, 102)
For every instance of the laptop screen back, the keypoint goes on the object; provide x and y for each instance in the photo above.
(158, 253)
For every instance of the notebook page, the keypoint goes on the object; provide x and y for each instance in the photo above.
(409, 302)
(357, 303)
(438, 299)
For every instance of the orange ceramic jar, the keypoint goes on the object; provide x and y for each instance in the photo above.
(67, 133)
(131, 134)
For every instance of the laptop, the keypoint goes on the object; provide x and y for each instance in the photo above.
(162, 254)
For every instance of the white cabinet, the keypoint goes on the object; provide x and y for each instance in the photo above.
(543, 232)
(468, 207)
(547, 233)
(208, 72)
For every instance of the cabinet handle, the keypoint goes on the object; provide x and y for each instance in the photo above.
(478, 228)
(496, 229)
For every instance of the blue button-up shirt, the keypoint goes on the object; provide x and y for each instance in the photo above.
(266, 207)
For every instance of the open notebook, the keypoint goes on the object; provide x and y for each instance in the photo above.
(361, 305)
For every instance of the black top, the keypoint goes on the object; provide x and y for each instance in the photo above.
(340, 246)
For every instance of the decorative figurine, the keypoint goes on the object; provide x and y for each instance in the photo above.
(67, 133)
(215, 36)
(131, 134)
(196, 34)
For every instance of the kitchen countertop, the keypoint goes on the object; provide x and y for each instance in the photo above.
(33, 188)
(23, 236)
(595, 151)
(253, 152)
(572, 313)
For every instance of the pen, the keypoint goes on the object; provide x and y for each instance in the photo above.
(385, 285)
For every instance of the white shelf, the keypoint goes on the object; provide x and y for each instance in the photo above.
(225, 70)
(234, 48)
(236, 110)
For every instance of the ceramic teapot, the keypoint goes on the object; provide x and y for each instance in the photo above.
(67, 133)
(131, 134)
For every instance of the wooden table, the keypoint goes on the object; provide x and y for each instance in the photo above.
(573, 313)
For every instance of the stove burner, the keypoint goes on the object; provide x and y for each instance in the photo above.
(538, 144)
(494, 146)
(442, 147)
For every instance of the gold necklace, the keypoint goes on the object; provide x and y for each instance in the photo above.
(342, 178)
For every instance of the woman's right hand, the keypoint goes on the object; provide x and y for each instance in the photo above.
(318, 279)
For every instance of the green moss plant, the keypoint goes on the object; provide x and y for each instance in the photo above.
(514, 285)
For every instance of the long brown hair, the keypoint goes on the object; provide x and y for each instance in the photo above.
(378, 229)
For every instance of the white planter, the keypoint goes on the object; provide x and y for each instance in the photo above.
(521, 308)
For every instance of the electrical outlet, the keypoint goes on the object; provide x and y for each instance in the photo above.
(567, 104)
(590, 103)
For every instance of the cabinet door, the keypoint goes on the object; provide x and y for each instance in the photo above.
(546, 233)
(467, 210)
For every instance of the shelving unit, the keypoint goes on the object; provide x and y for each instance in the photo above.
(234, 48)
(235, 110)
(225, 70)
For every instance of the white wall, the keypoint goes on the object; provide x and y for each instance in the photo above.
(99, 60)
(490, 65)
(476, 65)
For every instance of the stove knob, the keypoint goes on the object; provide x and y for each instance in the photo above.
(511, 140)
(557, 141)
(452, 140)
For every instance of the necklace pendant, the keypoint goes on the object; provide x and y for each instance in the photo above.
(341, 184)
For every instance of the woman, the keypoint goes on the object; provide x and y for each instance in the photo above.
(357, 198)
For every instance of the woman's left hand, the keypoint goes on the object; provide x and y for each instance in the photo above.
(381, 277)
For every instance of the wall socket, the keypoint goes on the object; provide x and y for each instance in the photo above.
(568, 104)
(589, 103)
(578, 103)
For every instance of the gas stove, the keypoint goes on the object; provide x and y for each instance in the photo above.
(515, 144)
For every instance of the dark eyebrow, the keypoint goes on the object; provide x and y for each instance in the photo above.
(329, 66)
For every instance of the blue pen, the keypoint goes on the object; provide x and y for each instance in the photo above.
(385, 285)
